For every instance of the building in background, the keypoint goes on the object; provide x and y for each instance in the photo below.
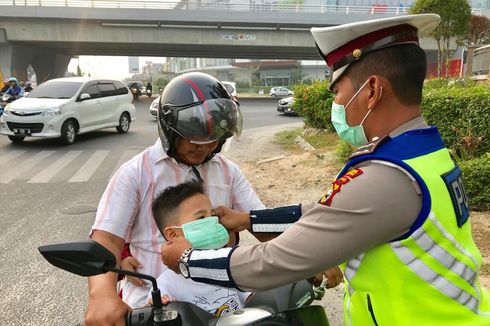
(251, 72)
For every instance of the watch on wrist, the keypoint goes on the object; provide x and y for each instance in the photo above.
(184, 263)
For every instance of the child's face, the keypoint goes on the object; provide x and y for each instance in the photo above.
(191, 209)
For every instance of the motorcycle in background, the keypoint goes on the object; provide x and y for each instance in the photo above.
(136, 93)
(4, 100)
(148, 92)
(287, 305)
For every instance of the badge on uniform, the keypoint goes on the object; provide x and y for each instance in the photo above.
(337, 185)
(455, 186)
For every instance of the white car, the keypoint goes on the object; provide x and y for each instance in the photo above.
(65, 107)
(154, 108)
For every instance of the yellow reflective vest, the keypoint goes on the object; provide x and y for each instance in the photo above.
(430, 276)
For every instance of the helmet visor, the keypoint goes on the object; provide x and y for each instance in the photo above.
(209, 121)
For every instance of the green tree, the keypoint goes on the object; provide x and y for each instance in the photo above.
(455, 17)
(477, 34)
(297, 75)
(161, 82)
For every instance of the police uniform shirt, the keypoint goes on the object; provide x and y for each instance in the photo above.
(374, 207)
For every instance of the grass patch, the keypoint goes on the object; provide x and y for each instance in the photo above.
(286, 139)
(323, 140)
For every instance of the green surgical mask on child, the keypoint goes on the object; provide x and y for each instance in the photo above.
(206, 233)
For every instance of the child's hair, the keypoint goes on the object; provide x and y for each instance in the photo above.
(166, 205)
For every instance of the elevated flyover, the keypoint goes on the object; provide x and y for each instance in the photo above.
(47, 33)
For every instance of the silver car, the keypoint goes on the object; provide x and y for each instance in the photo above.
(280, 91)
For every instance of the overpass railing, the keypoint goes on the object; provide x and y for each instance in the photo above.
(250, 5)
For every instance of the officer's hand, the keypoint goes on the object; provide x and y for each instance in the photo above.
(232, 220)
(334, 277)
(131, 264)
(108, 310)
(172, 250)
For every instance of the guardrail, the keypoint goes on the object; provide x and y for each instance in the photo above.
(225, 5)
(251, 5)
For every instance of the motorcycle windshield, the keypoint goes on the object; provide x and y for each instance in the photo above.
(209, 121)
(311, 315)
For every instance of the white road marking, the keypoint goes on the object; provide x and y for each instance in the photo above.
(11, 172)
(9, 156)
(50, 171)
(89, 168)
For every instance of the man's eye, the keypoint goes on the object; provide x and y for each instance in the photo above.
(201, 217)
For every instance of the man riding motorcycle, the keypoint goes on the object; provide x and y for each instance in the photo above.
(15, 90)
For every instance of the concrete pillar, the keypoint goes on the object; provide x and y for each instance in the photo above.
(14, 60)
(49, 64)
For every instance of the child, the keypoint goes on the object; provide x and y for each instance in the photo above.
(177, 206)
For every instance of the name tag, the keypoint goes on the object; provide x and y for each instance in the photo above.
(455, 186)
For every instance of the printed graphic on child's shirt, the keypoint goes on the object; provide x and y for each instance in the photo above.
(226, 300)
(214, 299)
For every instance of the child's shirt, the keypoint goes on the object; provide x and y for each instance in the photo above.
(214, 299)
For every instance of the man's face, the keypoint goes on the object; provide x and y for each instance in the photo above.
(12, 84)
(194, 154)
(344, 91)
(192, 209)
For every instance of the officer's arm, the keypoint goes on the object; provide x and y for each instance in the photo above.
(376, 207)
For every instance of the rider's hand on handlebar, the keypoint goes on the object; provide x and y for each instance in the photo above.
(107, 310)
(131, 264)
(232, 220)
(165, 299)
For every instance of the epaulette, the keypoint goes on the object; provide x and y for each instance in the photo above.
(369, 147)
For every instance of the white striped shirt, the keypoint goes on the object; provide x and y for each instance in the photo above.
(125, 207)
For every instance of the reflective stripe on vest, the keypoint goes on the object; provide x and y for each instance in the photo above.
(350, 271)
(426, 243)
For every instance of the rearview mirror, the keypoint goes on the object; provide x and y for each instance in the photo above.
(84, 258)
(84, 96)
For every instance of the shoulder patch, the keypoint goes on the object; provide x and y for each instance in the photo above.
(337, 185)
(369, 147)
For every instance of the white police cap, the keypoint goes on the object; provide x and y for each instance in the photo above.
(342, 45)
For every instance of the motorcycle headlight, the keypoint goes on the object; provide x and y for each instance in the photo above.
(52, 112)
(154, 105)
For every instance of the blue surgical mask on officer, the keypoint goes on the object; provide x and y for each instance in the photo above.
(354, 135)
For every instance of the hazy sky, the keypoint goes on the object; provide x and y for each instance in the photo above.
(107, 66)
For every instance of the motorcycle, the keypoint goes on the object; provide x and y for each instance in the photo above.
(136, 93)
(148, 92)
(287, 305)
(5, 99)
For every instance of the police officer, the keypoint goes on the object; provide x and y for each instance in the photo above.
(397, 215)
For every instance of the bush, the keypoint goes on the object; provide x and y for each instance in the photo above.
(476, 174)
(462, 115)
(343, 150)
(314, 102)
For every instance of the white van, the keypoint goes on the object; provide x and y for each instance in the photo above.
(65, 107)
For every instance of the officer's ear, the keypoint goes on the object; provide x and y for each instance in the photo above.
(375, 87)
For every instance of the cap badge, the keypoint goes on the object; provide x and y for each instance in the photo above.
(356, 53)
